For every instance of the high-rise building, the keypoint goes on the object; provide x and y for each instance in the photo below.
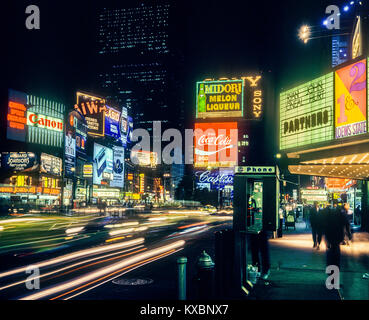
(138, 66)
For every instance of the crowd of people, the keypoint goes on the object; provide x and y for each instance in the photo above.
(334, 223)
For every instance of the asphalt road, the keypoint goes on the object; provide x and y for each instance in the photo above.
(63, 257)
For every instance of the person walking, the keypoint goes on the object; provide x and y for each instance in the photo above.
(260, 253)
(316, 225)
(336, 225)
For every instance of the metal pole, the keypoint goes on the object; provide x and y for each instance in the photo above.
(181, 262)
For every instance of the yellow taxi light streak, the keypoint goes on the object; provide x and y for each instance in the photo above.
(138, 265)
(73, 265)
(105, 271)
(77, 254)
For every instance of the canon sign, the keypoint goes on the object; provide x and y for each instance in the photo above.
(39, 120)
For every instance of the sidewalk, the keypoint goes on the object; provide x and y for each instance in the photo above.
(298, 270)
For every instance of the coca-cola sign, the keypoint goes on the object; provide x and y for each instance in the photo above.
(215, 144)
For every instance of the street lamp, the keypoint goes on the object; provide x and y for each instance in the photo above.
(304, 33)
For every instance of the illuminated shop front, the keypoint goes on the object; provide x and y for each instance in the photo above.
(30, 178)
(323, 132)
(108, 195)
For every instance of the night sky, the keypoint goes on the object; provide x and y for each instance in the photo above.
(218, 38)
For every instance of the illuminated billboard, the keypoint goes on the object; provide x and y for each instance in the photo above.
(350, 100)
(118, 167)
(17, 116)
(219, 99)
(112, 124)
(144, 158)
(215, 144)
(50, 164)
(102, 165)
(93, 109)
(77, 126)
(35, 119)
(306, 113)
(214, 179)
(18, 161)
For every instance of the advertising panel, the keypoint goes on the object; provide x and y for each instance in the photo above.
(17, 116)
(112, 122)
(306, 113)
(93, 109)
(70, 147)
(219, 99)
(350, 100)
(214, 179)
(18, 161)
(51, 164)
(124, 127)
(87, 171)
(216, 144)
(76, 123)
(102, 165)
(144, 158)
(35, 120)
(309, 195)
(44, 121)
(118, 169)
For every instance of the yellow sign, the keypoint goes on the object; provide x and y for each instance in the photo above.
(350, 100)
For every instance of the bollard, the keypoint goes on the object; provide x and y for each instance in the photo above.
(205, 276)
(181, 262)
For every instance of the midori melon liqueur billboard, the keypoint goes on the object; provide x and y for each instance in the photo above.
(306, 113)
(217, 99)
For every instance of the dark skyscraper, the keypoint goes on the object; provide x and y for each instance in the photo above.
(139, 66)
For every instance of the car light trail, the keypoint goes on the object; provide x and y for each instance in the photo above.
(77, 264)
(77, 254)
(131, 268)
(74, 230)
(115, 268)
(20, 220)
(192, 225)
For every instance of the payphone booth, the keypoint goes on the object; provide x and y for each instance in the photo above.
(256, 209)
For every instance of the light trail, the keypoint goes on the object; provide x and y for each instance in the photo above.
(120, 274)
(71, 266)
(77, 254)
(193, 225)
(115, 268)
(20, 220)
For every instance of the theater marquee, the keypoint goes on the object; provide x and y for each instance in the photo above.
(306, 113)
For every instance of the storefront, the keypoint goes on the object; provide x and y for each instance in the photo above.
(30, 178)
(323, 132)
(110, 196)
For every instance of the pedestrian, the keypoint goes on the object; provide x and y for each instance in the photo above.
(316, 222)
(260, 253)
(358, 216)
(335, 226)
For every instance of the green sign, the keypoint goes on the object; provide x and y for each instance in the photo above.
(219, 99)
(306, 113)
